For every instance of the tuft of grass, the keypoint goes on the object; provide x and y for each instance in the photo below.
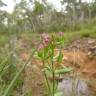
(3, 39)
(18, 73)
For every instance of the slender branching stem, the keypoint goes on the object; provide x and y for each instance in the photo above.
(47, 82)
(53, 73)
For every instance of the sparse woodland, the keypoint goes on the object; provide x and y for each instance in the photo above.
(48, 52)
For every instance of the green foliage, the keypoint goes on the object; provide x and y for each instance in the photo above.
(58, 94)
(63, 70)
(14, 80)
(38, 9)
(74, 21)
(46, 54)
(60, 57)
(31, 16)
(29, 94)
(7, 69)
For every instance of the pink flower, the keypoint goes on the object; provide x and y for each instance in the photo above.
(40, 47)
(46, 38)
(45, 35)
(60, 33)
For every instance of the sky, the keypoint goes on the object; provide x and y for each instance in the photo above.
(10, 4)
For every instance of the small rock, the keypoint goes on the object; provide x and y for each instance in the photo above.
(91, 41)
(71, 87)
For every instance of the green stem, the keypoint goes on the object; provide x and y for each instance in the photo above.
(12, 83)
(49, 89)
(53, 73)
(4, 63)
(47, 82)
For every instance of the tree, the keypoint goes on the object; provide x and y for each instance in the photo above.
(2, 4)
(3, 16)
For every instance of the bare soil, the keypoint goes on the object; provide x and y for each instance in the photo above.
(79, 54)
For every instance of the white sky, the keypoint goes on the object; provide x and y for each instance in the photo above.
(10, 4)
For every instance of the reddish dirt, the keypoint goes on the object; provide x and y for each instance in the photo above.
(33, 81)
(78, 58)
(82, 63)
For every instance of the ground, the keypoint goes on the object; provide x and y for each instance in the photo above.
(79, 54)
